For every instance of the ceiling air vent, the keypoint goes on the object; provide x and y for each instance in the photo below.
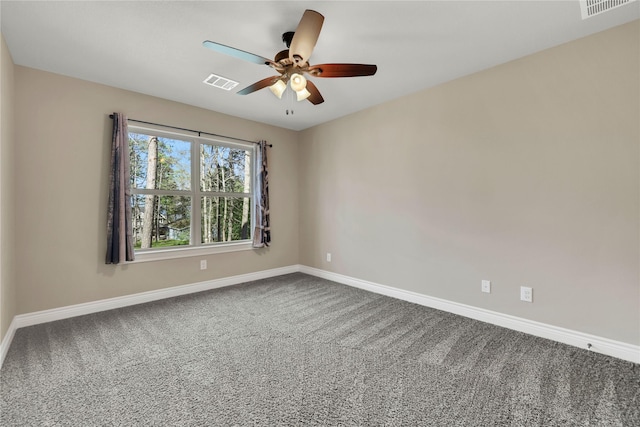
(591, 8)
(220, 82)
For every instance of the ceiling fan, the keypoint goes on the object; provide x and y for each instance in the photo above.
(293, 62)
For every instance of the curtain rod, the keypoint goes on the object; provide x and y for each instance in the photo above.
(190, 130)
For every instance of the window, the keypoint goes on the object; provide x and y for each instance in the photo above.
(189, 192)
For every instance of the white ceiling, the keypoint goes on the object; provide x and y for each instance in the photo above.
(155, 47)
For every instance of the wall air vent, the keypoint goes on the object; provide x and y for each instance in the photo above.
(220, 82)
(591, 8)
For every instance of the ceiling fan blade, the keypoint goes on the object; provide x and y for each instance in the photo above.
(306, 36)
(237, 53)
(259, 85)
(315, 97)
(342, 70)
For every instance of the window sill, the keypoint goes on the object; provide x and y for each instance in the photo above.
(173, 253)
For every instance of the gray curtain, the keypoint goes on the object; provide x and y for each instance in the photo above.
(262, 232)
(119, 233)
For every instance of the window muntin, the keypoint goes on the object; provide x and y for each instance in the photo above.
(193, 191)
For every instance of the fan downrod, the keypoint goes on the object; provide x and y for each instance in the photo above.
(287, 37)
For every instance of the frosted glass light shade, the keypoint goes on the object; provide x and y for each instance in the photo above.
(298, 82)
(303, 94)
(278, 88)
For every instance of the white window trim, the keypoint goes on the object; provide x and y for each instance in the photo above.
(199, 249)
(192, 251)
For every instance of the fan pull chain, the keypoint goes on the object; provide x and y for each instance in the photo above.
(289, 111)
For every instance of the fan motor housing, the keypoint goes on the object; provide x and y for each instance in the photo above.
(283, 54)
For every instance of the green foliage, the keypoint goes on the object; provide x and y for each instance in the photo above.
(165, 243)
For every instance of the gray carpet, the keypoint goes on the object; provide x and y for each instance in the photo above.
(298, 350)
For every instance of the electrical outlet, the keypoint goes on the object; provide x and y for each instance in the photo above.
(486, 286)
(526, 294)
(328, 257)
(203, 264)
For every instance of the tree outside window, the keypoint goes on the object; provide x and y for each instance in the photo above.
(189, 191)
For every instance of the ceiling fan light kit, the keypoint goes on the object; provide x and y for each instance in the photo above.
(293, 62)
(278, 88)
(303, 94)
(298, 82)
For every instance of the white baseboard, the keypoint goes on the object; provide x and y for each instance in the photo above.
(6, 341)
(45, 316)
(606, 346)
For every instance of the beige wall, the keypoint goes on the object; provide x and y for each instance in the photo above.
(7, 237)
(62, 156)
(524, 174)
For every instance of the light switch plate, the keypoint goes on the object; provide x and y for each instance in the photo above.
(486, 286)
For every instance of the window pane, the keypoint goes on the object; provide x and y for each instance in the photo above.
(159, 163)
(160, 221)
(224, 169)
(225, 219)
